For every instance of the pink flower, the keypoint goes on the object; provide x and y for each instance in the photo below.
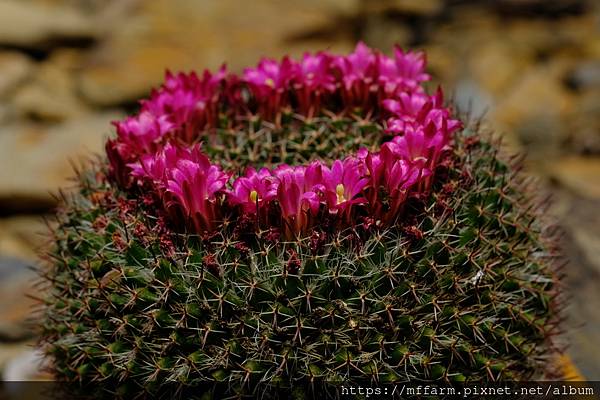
(194, 185)
(186, 181)
(314, 72)
(358, 66)
(297, 195)
(400, 177)
(136, 136)
(404, 72)
(387, 170)
(189, 102)
(155, 167)
(312, 79)
(343, 183)
(358, 72)
(417, 110)
(140, 134)
(406, 105)
(253, 190)
(269, 82)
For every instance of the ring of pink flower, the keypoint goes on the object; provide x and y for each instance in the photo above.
(158, 147)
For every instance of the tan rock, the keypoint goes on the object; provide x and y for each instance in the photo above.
(183, 35)
(35, 159)
(537, 108)
(581, 175)
(413, 7)
(14, 69)
(498, 64)
(51, 94)
(443, 64)
(22, 236)
(32, 24)
(382, 33)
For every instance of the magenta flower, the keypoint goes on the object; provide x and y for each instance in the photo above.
(136, 136)
(404, 72)
(155, 167)
(312, 80)
(400, 177)
(406, 104)
(314, 72)
(269, 82)
(194, 186)
(253, 190)
(189, 102)
(140, 134)
(343, 183)
(358, 71)
(387, 170)
(297, 195)
(187, 182)
(417, 110)
(424, 139)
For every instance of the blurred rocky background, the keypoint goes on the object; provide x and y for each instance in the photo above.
(69, 67)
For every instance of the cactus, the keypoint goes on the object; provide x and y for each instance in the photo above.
(418, 254)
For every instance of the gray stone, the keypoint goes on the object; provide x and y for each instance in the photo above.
(16, 277)
(587, 75)
(25, 365)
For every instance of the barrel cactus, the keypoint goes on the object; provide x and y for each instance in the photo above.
(308, 222)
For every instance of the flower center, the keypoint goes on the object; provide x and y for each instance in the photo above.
(270, 82)
(253, 196)
(339, 190)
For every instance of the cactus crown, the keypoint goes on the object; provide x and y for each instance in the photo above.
(159, 147)
(320, 220)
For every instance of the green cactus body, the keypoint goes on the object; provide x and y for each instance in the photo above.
(462, 288)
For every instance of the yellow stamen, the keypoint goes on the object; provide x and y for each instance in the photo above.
(270, 82)
(339, 190)
(253, 196)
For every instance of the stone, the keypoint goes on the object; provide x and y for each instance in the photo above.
(8, 352)
(442, 64)
(14, 69)
(580, 243)
(34, 25)
(410, 7)
(496, 65)
(16, 280)
(383, 33)
(51, 94)
(26, 365)
(184, 35)
(21, 236)
(586, 75)
(585, 122)
(36, 159)
(536, 108)
(580, 175)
